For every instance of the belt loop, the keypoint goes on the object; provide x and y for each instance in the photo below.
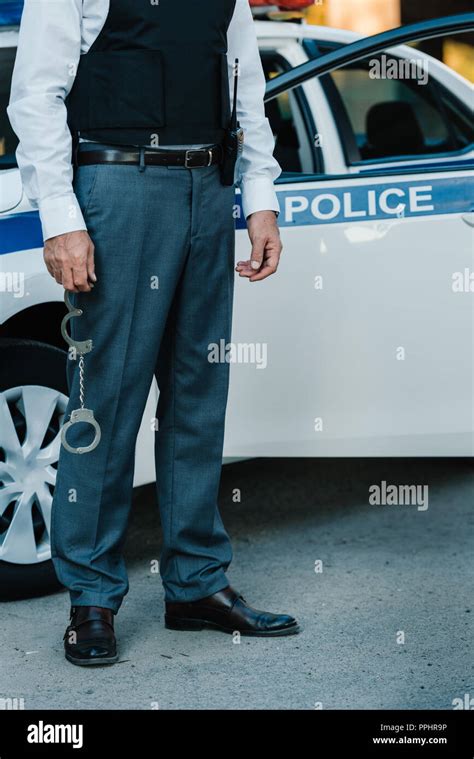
(142, 160)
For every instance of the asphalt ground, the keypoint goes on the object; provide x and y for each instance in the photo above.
(383, 593)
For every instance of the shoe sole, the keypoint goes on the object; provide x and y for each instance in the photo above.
(195, 625)
(91, 662)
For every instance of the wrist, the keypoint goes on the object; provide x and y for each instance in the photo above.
(264, 210)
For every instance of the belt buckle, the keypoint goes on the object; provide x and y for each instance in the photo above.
(190, 152)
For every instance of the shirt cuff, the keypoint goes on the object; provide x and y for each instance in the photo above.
(60, 216)
(258, 195)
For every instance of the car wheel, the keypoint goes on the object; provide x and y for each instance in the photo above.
(33, 400)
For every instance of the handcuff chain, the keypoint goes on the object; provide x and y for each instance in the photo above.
(81, 379)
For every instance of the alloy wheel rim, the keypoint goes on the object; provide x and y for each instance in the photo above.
(31, 417)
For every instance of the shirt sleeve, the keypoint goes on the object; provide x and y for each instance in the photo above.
(257, 168)
(48, 54)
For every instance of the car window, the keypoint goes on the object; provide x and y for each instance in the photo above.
(8, 139)
(291, 122)
(460, 119)
(385, 118)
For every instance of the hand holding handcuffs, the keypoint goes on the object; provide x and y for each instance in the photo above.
(81, 414)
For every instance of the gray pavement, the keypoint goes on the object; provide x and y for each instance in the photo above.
(387, 572)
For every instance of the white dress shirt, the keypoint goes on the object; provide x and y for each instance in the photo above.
(53, 36)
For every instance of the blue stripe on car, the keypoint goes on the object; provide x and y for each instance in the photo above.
(10, 12)
(20, 231)
(367, 202)
(309, 207)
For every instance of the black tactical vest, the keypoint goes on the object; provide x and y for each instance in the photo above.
(156, 74)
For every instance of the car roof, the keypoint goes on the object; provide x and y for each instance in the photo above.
(287, 30)
(298, 31)
(329, 34)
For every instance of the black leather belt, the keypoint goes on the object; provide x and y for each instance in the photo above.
(190, 159)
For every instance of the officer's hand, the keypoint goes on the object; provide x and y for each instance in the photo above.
(69, 258)
(266, 247)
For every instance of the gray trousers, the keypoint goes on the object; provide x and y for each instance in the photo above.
(164, 254)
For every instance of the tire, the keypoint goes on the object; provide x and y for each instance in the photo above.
(33, 400)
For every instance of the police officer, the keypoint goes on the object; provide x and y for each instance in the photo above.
(121, 108)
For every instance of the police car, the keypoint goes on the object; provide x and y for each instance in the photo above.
(361, 345)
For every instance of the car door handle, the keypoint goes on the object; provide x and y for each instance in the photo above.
(468, 218)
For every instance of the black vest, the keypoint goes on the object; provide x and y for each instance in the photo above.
(157, 73)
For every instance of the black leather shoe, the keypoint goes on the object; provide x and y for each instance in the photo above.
(228, 611)
(90, 638)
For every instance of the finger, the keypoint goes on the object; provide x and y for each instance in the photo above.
(79, 275)
(258, 251)
(269, 267)
(50, 268)
(91, 265)
(57, 274)
(49, 262)
(264, 272)
(245, 271)
(68, 280)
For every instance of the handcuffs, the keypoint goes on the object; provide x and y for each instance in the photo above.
(81, 414)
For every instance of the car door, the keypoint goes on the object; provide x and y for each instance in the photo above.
(20, 230)
(367, 327)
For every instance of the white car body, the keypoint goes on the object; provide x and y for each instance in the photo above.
(377, 362)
